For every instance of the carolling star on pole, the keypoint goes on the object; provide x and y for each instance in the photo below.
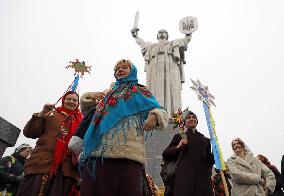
(202, 92)
(79, 67)
(207, 99)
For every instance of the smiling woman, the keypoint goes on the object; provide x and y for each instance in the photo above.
(71, 101)
(51, 168)
(122, 69)
(238, 147)
(249, 175)
(113, 146)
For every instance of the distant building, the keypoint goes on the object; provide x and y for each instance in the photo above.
(8, 135)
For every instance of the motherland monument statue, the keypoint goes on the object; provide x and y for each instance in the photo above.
(164, 62)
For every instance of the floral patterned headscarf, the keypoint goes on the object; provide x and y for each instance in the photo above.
(127, 98)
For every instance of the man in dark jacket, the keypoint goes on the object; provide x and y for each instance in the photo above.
(282, 169)
(193, 171)
(11, 169)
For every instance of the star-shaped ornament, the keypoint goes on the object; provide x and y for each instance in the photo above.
(79, 67)
(202, 92)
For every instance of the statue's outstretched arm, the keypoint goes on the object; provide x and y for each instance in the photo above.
(139, 40)
(187, 38)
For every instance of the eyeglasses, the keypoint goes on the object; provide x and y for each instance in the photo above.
(124, 67)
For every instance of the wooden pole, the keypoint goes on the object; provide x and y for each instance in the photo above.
(224, 183)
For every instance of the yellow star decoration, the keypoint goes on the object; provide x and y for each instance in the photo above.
(79, 67)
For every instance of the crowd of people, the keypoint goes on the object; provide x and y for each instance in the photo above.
(100, 150)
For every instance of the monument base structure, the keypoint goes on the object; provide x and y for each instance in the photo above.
(155, 145)
(8, 135)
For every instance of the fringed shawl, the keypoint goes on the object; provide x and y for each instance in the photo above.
(126, 105)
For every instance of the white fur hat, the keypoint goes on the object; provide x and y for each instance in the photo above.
(18, 149)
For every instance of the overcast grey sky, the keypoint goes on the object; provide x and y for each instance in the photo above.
(237, 51)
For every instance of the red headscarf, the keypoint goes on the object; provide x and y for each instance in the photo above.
(265, 161)
(67, 129)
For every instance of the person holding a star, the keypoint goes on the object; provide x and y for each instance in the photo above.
(112, 148)
(52, 168)
(193, 149)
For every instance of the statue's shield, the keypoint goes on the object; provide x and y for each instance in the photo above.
(188, 25)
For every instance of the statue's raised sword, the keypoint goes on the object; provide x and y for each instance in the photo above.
(135, 28)
(135, 25)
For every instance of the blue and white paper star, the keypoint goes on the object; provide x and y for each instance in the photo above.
(202, 92)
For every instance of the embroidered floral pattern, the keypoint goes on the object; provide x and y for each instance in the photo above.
(124, 91)
(63, 131)
(112, 101)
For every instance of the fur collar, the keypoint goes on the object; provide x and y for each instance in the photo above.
(245, 162)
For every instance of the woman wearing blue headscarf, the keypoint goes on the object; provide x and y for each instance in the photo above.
(113, 154)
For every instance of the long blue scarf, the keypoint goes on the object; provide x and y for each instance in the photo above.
(127, 98)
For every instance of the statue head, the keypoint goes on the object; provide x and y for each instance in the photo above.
(162, 34)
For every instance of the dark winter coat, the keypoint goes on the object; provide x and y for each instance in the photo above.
(282, 169)
(193, 172)
(11, 171)
(279, 182)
